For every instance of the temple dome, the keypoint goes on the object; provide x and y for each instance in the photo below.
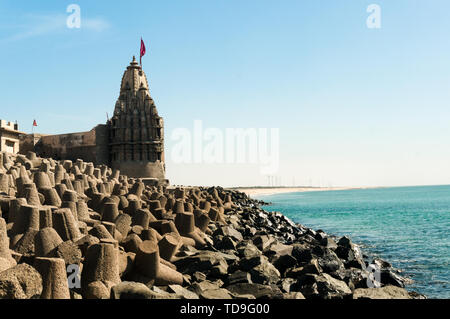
(133, 78)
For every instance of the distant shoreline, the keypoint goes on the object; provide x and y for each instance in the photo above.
(262, 190)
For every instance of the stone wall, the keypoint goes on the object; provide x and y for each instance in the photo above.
(91, 146)
(27, 142)
(102, 144)
(73, 146)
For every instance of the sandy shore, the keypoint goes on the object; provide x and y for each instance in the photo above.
(258, 191)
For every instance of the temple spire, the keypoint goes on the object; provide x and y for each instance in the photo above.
(136, 129)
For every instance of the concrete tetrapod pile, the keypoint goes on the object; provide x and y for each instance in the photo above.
(74, 230)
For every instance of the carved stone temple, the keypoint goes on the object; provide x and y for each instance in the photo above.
(131, 141)
(136, 131)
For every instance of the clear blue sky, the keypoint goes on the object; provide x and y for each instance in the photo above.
(355, 106)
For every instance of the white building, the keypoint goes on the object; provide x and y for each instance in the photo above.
(9, 137)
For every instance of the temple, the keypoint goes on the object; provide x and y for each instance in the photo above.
(132, 141)
(136, 133)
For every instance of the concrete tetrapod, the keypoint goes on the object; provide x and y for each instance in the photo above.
(168, 246)
(100, 231)
(110, 212)
(100, 271)
(42, 180)
(186, 227)
(66, 225)
(202, 219)
(6, 259)
(31, 194)
(54, 277)
(83, 211)
(143, 217)
(151, 234)
(27, 218)
(14, 208)
(168, 226)
(4, 183)
(133, 206)
(45, 217)
(148, 263)
(45, 241)
(72, 206)
(179, 207)
(123, 224)
(60, 188)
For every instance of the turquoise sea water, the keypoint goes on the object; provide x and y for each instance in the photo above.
(407, 226)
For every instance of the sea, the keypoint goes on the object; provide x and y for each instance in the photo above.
(406, 226)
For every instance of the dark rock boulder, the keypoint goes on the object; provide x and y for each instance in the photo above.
(389, 277)
(351, 256)
(257, 290)
(131, 290)
(181, 291)
(239, 277)
(260, 269)
(226, 243)
(355, 278)
(286, 284)
(284, 262)
(220, 293)
(229, 231)
(204, 261)
(388, 292)
(345, 241)
(265, 273)
(278, 249)
(381, 264)
(293, 295)
(329, 261)
(329, 243)
(322, 286)
(199, 287)
(248, 263)
(247, 249)
(302, 253)
(263, 241)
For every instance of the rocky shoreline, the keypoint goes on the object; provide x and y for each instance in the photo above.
(69, 230)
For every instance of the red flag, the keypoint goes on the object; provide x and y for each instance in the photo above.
(142, 51)
(34, 123)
